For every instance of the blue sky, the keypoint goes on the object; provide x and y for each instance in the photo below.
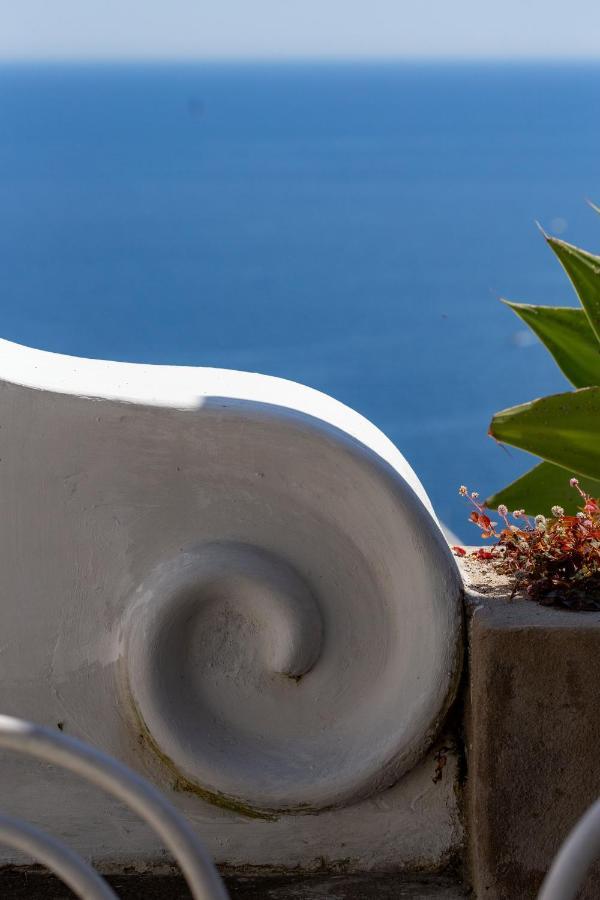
(181, 29)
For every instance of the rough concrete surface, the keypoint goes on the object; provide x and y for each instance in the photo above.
(533, 724)
(342, 887)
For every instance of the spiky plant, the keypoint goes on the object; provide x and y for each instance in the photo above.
(563, 429)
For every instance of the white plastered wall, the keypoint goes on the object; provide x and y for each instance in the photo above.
(236, 585)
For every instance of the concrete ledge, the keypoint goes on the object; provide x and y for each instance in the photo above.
(533, 733)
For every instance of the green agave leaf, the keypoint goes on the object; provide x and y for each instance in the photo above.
(567, 334)
(562, 428)
(583, 269)
(541, 488)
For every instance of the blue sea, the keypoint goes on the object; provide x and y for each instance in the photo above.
(351, 227)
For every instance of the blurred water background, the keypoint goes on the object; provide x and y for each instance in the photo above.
(351, 227)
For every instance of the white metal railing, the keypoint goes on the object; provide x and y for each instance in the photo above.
(124, 784)
(573, 861)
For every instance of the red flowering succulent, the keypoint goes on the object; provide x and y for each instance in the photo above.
(554, 560)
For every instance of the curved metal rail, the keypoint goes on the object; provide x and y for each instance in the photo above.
(56, 856)
(573, 861)
(124, 784)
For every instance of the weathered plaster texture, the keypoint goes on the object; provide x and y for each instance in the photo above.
(533, 734)
(235, 585)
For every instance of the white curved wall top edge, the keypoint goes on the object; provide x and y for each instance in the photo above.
(189, 387)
